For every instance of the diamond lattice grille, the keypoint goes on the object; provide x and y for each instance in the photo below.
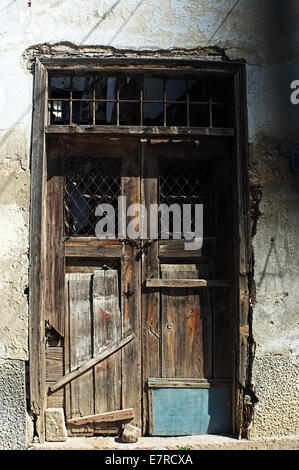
(188, 182)
(88, 183)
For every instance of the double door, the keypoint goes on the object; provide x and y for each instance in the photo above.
(153, 316)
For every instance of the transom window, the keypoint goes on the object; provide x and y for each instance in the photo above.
(140, 101)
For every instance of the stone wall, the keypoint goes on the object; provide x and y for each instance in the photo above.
(264, 34)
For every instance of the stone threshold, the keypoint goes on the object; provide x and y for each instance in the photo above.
(207, 442)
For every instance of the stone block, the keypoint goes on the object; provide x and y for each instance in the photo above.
(131, 433)
(55, 425)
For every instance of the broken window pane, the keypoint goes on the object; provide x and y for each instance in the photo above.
(105, 88)
(198, 90)
(129, 114)
(105, 113)
(153, 89)
(176, 115)
(129, 88)
(199, 115)
(59, 112)
(175, 90)
(59, 87)
(82, 87)
(153, 114)
(82, 112)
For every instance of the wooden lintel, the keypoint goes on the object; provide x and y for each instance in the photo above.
(185, 283)
(110, 416)
(187, 383)
(140, 130)
(88, 364)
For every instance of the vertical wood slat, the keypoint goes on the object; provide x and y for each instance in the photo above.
(54, 305)
(107, 330)
(242, 244)
(37, 252)
(80, 347)
(182, 326)
(150, 297)
(130, 289)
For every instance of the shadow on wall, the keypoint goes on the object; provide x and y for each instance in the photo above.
(103, 18)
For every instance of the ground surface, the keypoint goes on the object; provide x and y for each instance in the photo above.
(171, 443)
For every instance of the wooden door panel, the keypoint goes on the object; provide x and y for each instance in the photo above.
(183, 312)
(80, 393)
(107, 331)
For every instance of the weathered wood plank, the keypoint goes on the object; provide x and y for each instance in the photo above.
(80, 341)
(119, 415)
(57, 399)
(130, 288)
(175, 249)
(107, 331)
(185, 383)
(54, 364)
(93, 248)
(160, 64)
(186, 283)
(182, 315)
(54, 304)
(36, 251)
(150, 298)
(90, 363)
(140, 130)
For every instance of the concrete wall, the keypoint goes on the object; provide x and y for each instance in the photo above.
(265, 34)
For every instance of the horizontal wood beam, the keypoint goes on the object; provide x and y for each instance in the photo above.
(185, 283)
(141, 130)
(187, 383)
(94, 248)
(90, 363)
(110, 416)
(147, 63)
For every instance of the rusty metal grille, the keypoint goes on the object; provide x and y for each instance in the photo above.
(140, 101)
(188, 182)
(88, 183)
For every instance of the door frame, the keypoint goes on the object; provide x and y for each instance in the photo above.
(38, 216)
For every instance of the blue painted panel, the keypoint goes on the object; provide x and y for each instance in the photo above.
(190, 411)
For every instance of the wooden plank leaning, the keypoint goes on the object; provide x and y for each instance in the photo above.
(118, 415)
(90, 363)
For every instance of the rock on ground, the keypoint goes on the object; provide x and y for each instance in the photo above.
(130, 433)
(55, 425)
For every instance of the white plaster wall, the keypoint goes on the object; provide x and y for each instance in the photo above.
(264, 33)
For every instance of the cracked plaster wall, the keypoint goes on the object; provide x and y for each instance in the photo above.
(265, 34)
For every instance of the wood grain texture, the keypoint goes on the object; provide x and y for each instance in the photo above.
(36, 252)
(54, 364)
(130, 289)
(150, 298)
(108, 351)
(118, 415)
(186, 283)
(80, 346)
(182, 316)
(54, 304)
(107, 330)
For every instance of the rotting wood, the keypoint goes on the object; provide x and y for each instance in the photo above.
(185, 283)
(110, 416)
(186, 383)
(90, 363)
(93, 248)
(36, 252)
(140, 130)
(54, 289)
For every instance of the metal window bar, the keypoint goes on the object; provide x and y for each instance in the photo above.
(210, 103)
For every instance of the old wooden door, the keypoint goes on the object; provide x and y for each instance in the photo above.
(187, 312)
(93, 296)
(166, 312)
